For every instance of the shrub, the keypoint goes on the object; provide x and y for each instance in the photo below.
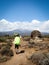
(4, 51)
(39, 58)
(26, 38)
(6, 46)
(46, 36)
(3, 59)
(0, 46)
(2, 40)
(10, 53)
(44, 62)
(9, 43)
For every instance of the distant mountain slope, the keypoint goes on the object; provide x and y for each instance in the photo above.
(21, 32)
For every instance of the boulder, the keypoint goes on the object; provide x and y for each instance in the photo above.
(35, 34)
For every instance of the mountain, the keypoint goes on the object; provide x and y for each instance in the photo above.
(44, 33)
(21, 32)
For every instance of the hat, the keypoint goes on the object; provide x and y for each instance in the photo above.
(16, 34)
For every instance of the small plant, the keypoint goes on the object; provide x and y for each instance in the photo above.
(3, 59)
(9, 43)
(10, 53)
(26, 38)
(2, 40)
(39, 58)
(4, 51)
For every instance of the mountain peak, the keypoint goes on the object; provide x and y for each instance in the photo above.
(3, 20)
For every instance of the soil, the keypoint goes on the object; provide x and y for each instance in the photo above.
(21, 59)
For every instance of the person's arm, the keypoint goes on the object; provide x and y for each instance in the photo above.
(14, 41)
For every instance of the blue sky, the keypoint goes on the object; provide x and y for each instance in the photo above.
(24, 14)
(24, 10)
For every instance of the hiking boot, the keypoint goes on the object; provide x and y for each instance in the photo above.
(17, 52)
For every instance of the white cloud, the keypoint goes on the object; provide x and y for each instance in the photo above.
(33, 25)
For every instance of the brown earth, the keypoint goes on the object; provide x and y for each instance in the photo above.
(21, 59)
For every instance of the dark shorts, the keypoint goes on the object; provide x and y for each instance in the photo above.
(17, 46)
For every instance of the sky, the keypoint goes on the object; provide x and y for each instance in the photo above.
(24, 14)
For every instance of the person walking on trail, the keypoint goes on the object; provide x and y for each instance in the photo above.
(17, 42)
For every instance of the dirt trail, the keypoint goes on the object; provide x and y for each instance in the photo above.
(19, 59)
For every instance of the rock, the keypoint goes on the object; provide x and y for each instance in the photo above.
(36, 33)
(40, 45)
(31, 43)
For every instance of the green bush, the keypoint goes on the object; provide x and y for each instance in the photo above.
(0, 46)
(45, 36)
(9, 43)
(26, 38)
(6, 46)
(39, 58)
(3, 45)
(11, 37)
(6, 51)
(2, 39)
(10, 53)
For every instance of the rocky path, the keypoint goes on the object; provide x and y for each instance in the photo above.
(19, 59)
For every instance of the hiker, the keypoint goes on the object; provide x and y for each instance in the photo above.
(17, 42)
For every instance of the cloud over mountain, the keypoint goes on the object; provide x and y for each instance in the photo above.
(42, 26)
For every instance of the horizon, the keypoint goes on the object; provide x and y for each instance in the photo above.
(24, 14)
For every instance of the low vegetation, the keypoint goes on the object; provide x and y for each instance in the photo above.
(39, 58)
(45, 36)
(36, 41)
(5, 48)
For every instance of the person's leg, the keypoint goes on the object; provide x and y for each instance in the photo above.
(15, 48)
(18, 48)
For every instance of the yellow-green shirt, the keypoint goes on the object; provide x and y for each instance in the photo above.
(17, 40)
